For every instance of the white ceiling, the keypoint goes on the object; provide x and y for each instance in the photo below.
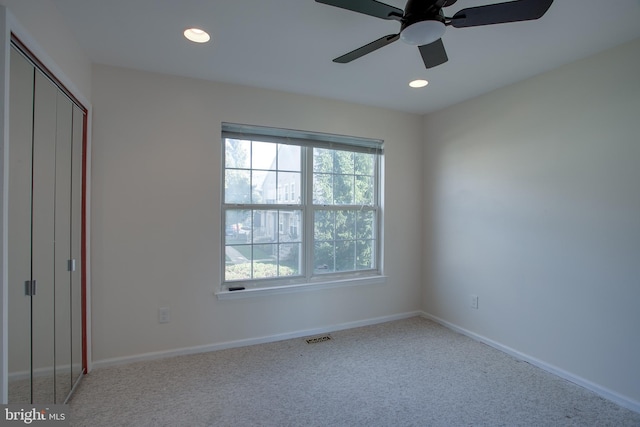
(289, 44)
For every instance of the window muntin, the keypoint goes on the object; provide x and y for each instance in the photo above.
(296, 210)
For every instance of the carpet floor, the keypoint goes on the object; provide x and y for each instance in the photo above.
(410, 372)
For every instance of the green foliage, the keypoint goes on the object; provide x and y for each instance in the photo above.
(342, 177)
(343, 237)
(260, 270)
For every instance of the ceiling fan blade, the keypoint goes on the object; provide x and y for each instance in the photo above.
(368, 7)
(513, 11)
(368, 48)
(433, 54)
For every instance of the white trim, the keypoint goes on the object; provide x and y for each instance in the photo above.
(301, 287)
(4, 202)
(250, 341)
(604, 392)
(44, 372)
(87, 231)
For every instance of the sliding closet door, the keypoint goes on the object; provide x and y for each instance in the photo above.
(19, 254)
(45, 230)
(62, 265)
(43, 240)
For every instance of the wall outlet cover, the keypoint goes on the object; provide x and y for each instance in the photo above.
(474, 301)
(164, 315)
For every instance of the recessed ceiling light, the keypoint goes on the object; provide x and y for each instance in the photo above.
(418, 83)
(197, 35)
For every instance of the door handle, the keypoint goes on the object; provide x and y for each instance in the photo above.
(30, 288)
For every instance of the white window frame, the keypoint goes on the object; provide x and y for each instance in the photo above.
(308, 279)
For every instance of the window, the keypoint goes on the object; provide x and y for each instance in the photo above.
(298, 207)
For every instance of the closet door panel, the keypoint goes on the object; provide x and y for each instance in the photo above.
(43, 243)
(62, 283)
(76, 242)
(19, 218)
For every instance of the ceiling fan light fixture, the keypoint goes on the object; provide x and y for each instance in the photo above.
(423, 32)
(196, 35)
(418, 83)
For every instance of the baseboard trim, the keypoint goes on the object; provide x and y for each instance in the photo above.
(42, 372)
(604, 392)
(96, 364)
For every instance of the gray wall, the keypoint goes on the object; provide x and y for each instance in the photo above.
(532, 202)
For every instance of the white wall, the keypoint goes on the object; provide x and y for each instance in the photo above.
(45, 26)
(156, 214)
(532, 202)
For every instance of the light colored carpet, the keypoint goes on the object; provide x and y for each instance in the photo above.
(411, 372)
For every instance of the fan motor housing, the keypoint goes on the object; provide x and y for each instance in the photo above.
(421, 25)
(419, 10)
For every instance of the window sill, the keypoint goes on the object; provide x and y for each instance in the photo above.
(302, 287)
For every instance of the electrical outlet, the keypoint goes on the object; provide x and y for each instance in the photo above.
(164, 315)
(474, 301)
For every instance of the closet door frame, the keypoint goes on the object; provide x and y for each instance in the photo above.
(12, 34)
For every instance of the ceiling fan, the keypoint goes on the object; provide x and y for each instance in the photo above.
(423, 22)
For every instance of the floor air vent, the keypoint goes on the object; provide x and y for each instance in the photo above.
(315, 340)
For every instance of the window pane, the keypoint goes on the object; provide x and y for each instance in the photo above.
(337, 247)
(290, 226)
(324, 225)
(345, 256)
(288, 157)
(365, 225)
(237, 186)
(343, 189)
(345, 225)
(350, 180)
(364, 164)
(257, 186)
(323, 257)
(289, 259)
(343, 162)
(265, 187)
(263, 155)
(323, 189)
(265, 261)
(237, 227)
(236, 153)
(289, 182)
(237, 262)
(265, 226)
(322, 160)
(364, 190)
(364, 255)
